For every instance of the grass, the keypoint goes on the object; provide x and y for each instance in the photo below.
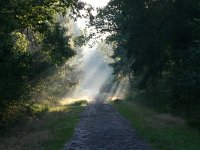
(48, 132)
(162, 131)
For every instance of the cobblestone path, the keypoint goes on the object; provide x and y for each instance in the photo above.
(101, 127)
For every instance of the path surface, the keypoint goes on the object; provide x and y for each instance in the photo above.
(101, 127)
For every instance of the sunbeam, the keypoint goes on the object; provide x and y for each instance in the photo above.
(94, 70)
(94, 75)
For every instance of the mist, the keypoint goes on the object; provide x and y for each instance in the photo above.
(94, 72)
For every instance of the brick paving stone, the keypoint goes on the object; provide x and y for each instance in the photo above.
(101, 127)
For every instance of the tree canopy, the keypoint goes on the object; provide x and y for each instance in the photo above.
(157, 42)
(32, 41)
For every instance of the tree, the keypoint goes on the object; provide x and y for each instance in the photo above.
(157, 41)
(32, 41)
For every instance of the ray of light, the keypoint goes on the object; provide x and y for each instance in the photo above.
(95, 71)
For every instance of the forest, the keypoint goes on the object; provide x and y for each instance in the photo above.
(33, 49)
(156, 44)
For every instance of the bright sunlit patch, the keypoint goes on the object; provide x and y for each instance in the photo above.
(58, 109)
(97, 3)
(114, 98)
(68, 101)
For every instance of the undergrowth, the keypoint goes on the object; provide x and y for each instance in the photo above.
(49, 130)
(162, 130)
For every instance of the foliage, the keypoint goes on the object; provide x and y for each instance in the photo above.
(157, 40)
(32, 42)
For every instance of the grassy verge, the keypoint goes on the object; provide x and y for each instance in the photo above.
(162, 131)
(48, 132)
